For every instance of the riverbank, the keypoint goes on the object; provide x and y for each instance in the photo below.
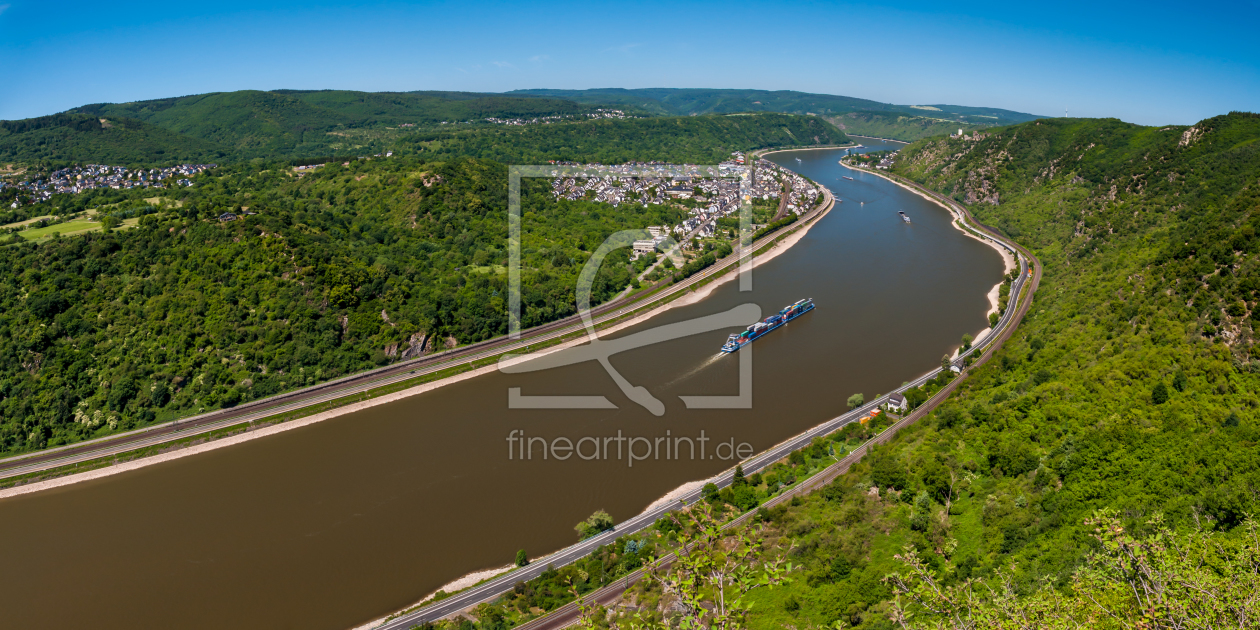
(691, 297)
(458, 584)
(764, 152)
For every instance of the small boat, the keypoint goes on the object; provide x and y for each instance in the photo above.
(847, 177)
(798, 159)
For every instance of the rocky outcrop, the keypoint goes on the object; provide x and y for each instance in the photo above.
(978, 188)
(416, 346)
(1190, 135)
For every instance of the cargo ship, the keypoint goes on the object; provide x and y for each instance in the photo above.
(903, 216)
(737, 341)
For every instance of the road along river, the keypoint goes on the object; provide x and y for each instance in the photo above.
(336, 523)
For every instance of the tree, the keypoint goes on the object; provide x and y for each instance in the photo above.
(1158, 581)
(922, 512)
(739, 479)
(966, 340)
(521, 558)
(1159, 395)
(122, 392)
(599, 522)
(160, 395)
(856, 401)
(711, 574)
(993, 319)
(709, 492)
(945, 363)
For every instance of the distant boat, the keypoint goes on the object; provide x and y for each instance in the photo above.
(847, 177)
(903, 216)
(798, 159)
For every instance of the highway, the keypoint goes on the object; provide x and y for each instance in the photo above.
(358, 384)
(565, 615)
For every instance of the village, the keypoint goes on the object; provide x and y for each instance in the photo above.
(546, 120)
(77, 179)
(709, 195)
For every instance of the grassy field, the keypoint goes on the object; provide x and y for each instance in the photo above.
(26, 222)
(78, 226)
(70, 228)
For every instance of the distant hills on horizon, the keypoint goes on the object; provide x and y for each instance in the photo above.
(691, 101)
(248, 124)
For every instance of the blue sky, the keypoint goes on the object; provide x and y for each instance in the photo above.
(1148, 63)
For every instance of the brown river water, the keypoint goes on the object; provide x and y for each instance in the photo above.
(337, 523)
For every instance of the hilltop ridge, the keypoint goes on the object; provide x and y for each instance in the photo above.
(253, 124)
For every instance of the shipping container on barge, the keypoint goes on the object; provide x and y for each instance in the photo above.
(737, 341)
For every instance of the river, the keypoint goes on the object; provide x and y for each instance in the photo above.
(334, 524)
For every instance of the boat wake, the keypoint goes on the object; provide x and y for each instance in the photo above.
(696, 370)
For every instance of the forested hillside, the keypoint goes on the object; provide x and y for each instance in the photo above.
(237, 126)
(897, 126)
(690, 139)
(290, 122)
(689, 101)
(85, 138)
(338, 270)
(1131, 385)
(326, 272)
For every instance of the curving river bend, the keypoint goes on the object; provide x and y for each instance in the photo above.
(337, 523)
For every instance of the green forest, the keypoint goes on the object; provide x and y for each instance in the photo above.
(316, 126)
(326, 271)
(693, 101)
(80, 138)
(898, 126)
(690, 139)
(252, 123)
(1129, 387)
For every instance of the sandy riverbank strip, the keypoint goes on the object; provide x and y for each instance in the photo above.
(450, 587)
(690, 298)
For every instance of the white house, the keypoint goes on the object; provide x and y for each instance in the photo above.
(896, 402)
